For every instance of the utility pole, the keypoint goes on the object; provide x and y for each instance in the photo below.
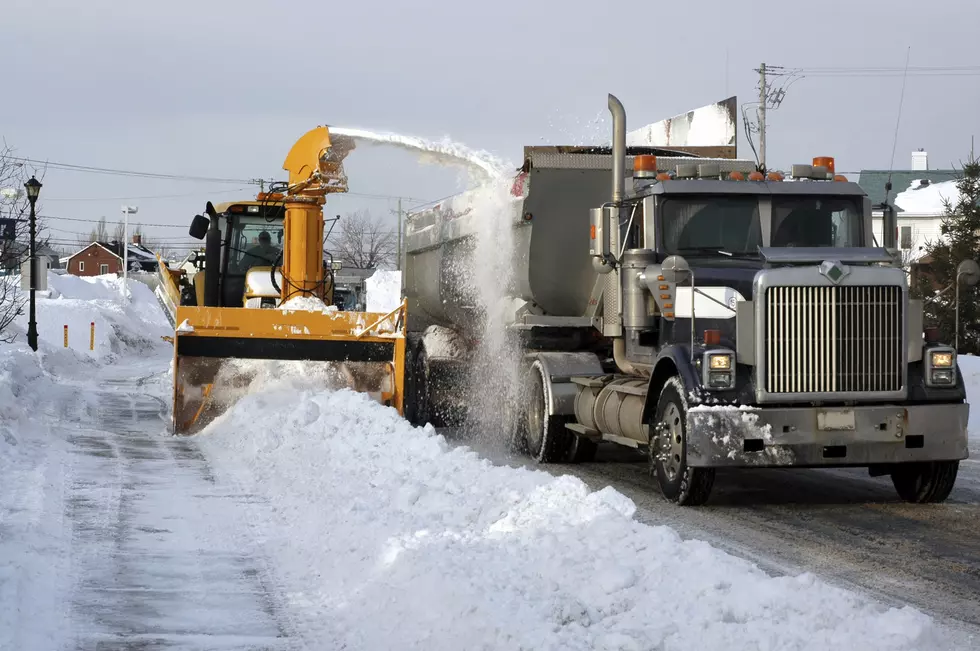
(399, 262)
(762, 116)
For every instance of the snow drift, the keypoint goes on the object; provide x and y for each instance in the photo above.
(385, 537)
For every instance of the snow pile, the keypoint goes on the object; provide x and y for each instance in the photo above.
(386, 537)
(33, 542)
(123, 325)
(928, 198)
(307, 304)
(970, 368)
(384, 291)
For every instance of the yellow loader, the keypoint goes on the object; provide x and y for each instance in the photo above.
(266, 291)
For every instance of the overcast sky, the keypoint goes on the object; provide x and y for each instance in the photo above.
(222, 88)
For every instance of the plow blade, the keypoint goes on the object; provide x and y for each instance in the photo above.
(215, 350)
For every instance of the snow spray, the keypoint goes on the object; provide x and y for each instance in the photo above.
(482, 166)
(485, 275)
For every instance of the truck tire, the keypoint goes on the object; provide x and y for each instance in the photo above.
(420, 406)
(582, 449)
(544, 437)
(925, 482)
(679, 483)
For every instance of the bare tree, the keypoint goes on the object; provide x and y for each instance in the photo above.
(14, 236)
(100, 233)
(362, 241)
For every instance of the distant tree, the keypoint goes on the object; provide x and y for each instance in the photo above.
(100, 233)
(959, 240)
(16, 250)
(362, 242)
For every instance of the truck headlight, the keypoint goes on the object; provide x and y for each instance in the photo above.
(720, 362)
(941, 367)
(718, 370)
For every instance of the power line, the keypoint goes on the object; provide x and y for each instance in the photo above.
(71, 167)
(157, 196)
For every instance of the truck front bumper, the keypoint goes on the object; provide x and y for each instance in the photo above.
(814, 436)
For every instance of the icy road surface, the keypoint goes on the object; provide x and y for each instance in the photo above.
(159, 555)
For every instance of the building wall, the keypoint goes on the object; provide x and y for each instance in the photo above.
(89, 261)
(921, 230)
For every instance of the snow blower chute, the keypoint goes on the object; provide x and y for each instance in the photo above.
(265, 292)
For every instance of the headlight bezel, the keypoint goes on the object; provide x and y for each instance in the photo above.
(718, 376)
(942, 375)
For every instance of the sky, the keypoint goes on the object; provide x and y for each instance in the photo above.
(222, 89)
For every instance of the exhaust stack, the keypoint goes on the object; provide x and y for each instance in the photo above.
(618, 148)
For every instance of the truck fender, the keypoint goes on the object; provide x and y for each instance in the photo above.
(672, 361)
(556, 371)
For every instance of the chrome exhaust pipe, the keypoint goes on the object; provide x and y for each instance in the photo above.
(618, 148)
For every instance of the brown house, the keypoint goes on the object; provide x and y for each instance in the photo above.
(95, 259)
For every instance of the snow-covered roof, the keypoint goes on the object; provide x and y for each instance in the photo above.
(925, 198)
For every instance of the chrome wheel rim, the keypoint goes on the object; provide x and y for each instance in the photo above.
(671, 442)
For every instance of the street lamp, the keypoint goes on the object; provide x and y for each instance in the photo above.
(33, 190)
(127, 211)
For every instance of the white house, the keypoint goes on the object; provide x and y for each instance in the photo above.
(917, 195)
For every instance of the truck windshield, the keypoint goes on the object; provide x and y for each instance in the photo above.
(255, 242)
(711, 225)
(816, 221)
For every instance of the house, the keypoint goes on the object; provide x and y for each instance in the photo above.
(96, 259)
(100, 258)
(917, 195)
(14, 253)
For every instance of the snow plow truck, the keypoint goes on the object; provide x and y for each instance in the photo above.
(266, 292)
(697, 308)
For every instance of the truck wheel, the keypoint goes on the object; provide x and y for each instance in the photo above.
(925, 482)
(420, 411)
(544, 437)
(667, 451)
(582, 450)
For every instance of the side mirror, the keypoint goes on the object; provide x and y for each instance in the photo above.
(675, 270)
(199, 227)
(968, 272)
(337, 266)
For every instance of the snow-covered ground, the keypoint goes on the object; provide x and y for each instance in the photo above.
(970, 367)
(366, 533)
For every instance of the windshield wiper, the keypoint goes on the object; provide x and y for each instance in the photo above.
(717, 251)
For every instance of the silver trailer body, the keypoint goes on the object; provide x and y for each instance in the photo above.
(549, 212)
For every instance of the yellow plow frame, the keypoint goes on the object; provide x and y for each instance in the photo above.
(207, 336)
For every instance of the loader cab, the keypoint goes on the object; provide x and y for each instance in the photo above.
(251, 245)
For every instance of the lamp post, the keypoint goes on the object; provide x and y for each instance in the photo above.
(127, 211)
(33, 190)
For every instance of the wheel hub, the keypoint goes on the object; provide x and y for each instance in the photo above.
(669, 443)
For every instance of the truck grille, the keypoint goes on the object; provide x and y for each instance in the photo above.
(834, 339)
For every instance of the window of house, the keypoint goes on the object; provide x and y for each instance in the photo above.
(103, 269)
(81, 265)
(906, 237)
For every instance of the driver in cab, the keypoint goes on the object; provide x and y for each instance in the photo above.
(263, 254)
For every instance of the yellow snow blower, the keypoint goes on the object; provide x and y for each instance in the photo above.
(265, 292)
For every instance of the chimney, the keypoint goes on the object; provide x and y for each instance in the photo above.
(920, 160)
(137, 238)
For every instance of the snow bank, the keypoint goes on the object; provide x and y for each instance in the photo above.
(927, 199)
(386, 537)
(970, 368)
(123, 325)
(34, 546)
(384, 291)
